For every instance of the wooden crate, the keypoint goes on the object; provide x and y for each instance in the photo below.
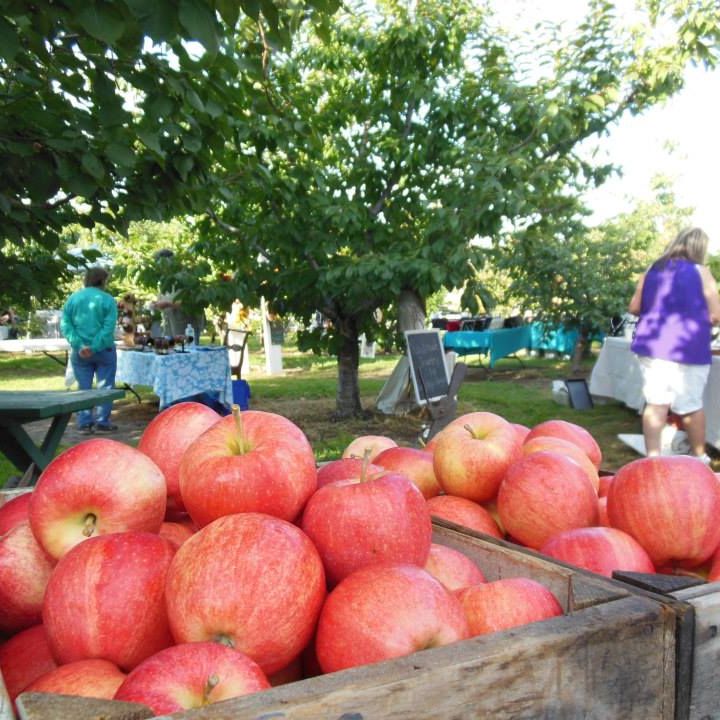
(612, 655)
(697, 640)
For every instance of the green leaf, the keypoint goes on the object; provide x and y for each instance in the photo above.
(229, 12)
(93, 166)
(121, 155)
(9, 40)
(151, 140)
(102, 23)
(194, 100)
(199, 21)
(251, 8)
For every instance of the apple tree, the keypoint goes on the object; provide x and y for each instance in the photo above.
(412, 132)
(114, 112)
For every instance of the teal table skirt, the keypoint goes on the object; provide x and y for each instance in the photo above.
(556, 338)
(495, 343)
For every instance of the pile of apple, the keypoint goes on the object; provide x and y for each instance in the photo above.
(216, 559)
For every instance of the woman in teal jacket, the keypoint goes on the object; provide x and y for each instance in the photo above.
(88, 324)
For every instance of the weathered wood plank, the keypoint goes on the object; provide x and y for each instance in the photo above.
(705, 676)
(6, 708)
(47, 706)
(615, 660)
(574, 588)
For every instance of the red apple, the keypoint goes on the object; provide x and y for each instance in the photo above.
(14, 511)
(507, 603)
(25, 569)
(670, 505)
(251, 581)
(386, 611)
(97, 487)
(347, 469)
(369, 446)
(250, 461)
(413, 463)
(521, 431)
(714, 574)
(191, 675)
(106, 599)
(564, 447)
(570, 431)
(603, 519)
(472, 455)
(464, 512)
(176, 532)
(600, 550)
(166, 438)
(543, 494)
(24, 658)
(353, 524)
(452, 568)
(605, 482)
(92, 678)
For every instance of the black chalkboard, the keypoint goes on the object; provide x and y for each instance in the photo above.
(578, 394)
(427, 364)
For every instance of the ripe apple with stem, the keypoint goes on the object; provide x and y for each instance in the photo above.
(97, 487)
(250, 461)
(191, 675)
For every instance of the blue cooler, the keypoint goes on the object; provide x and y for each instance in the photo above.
(241, 393)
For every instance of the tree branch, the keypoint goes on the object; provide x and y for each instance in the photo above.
(395, 176)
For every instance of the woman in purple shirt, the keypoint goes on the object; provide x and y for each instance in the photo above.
(677, 303)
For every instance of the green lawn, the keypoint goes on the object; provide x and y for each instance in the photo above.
(306, 394)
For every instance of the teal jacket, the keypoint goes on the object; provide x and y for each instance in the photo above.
(89, 319)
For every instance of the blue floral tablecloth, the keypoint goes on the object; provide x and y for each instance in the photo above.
(176, 376)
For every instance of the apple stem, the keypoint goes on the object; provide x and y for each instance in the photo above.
(89, 525)
(240, 444)
(212, 681)
(364, 465)
(225, 640)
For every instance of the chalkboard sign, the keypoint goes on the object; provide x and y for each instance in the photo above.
(427, 364)
(578, 394)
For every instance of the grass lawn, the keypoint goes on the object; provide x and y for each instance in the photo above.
(305, 393)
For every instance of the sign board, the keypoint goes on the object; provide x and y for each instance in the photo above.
(428, 369)
(579, 395)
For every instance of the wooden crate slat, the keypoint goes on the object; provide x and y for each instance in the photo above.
(705, 676)
(611, 661)
(48, 706)
(6, 708)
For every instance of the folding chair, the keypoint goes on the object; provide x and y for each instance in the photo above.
(236, 342)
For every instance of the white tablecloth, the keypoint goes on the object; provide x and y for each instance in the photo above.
(617, 375)
(31, 345)
(178, 375)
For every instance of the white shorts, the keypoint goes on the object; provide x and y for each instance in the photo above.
(678, 385)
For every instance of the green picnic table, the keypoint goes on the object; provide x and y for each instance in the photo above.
(20, 407)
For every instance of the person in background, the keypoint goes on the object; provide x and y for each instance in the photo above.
(677, 303)
(88, 323)
(174, 317)
(8, 318)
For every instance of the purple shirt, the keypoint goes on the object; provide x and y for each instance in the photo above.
(674, 320)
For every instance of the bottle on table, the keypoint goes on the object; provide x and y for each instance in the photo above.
(190, 336)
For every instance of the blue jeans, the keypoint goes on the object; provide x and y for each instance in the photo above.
(102, 365)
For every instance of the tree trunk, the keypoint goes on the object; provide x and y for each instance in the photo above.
(579, 351)
(347, 401)
(411, 311)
